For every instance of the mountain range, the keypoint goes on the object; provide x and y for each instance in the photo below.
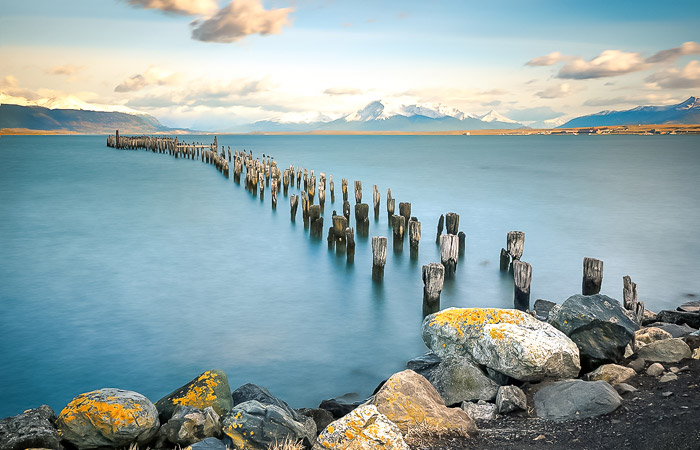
(687, 112)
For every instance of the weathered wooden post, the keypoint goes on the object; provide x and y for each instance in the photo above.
(629, 293)
(285, 181)
(522, 276)
(414, 235)
(462, 242)
(449, 253)
(312, 187)
(305, 207)
(378, 256)
(340, 224)
(398, 224)
(298, 178)
(361, 213)
(316, 220)
(293, 203)
(117, 143)
(452, 223)
(592, 276)
(375, 198)
(346, 210)
(358, 192)
(390, 209)
(332, 188)
(433, 279)
(405, 212)
(261, 184)
(515, 243)
(344, 188)
(505, 260)
(350, 244)
(306, 180)
(273, 191)
(440, 225)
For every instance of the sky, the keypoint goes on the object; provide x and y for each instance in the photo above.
(221, 64)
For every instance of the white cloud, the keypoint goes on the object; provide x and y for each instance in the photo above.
(67, 69)
(610, 63)
(239, 19)
(556, 91)
(547, 60)
(685, 78)
(152, 76)
(672, 54)
(184, 7)
(343, 91)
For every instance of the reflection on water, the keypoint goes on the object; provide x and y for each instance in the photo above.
(139, 271)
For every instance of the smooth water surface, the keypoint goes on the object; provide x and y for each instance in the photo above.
(136, 270)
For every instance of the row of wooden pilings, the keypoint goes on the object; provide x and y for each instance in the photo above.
(260, 174)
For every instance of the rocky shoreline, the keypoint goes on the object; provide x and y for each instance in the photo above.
(583, 374)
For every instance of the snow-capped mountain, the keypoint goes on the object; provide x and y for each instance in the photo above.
(687, 112)
(493, 116)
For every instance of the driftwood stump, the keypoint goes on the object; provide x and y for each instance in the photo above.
(515, 244)
(378, 256)
(522, 276)
(433, 280)
(440, 225)
(449, 253)
(592, 276)
(452, 223)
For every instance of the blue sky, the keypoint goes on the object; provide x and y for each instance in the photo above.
(212, 64)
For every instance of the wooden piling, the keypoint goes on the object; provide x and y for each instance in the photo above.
(515, 243)
(449, 253)
(522, 276)
(398, 224)
(316, 220)
(340, 224)
(462, 242)
(346, 210)
(332, 188)
(452, 223)
(390, 209)
(285, 181)
(358, 192)
(592, 276)
(379, 244)
(405, 211)
(433, 275)
(440, 225)
(414, 235)
(375, 198)
(293, 203)
(273, 191)
(350, 244)
(504, 260)
(344, 188)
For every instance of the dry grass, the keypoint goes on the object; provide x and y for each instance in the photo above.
(286, 444)
(424, 436)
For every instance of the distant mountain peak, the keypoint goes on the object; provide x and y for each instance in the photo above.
(692, 102)
(373, 111)
(687, 112)
(493, 116)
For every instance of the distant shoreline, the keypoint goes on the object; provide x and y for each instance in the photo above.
(665, 129)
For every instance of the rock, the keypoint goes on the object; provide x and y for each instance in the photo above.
(624, 388)
(575, 399)
(33, 428)
(458, 380)
(506, 340)
(655, 370)
(696, 353)
(675, 330)
(338, 408)
(692, 319)
(692, 307)
(254, 426)
(638, 365)
(668, 351)
(645, 336)
(189, 425)
(628, 351)
(108, 418)
(598, 325)
(480, 411)
(321, 417)
(250, 391)
(543, 308)
(665, 378)
(365, 428)
(500, 378)
(210, 443)
(611, 373)
(667, 394)
(424, 363)
(510, 398)
(692, 341)
(208, 389)
(410, 401)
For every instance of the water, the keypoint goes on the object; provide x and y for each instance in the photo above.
(139, 271)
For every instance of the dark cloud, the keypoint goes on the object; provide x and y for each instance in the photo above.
(239, 19)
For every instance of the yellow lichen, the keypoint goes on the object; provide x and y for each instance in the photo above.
(102, 414)
(476, 317)
(201, 394)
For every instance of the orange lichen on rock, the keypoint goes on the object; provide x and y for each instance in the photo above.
(457, 318)
(112, 415)
(201, 394)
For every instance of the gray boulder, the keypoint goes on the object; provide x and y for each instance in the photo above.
(598, 324)
(543, 308)
(338, 408)
(480, 410)
(675, 330)
(108, 418)
(510, 398)
(208, 444)
(321, 417)
(668, 351)
(254, 426)
(189, 425)
(692, 306)
(210, 388)
(33, 428)
(459, 380)
(423, 364)
(576, 399)
(692, 319)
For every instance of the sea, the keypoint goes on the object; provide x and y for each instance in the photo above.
(139, 271)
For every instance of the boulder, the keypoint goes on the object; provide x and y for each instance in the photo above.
(668, 351)
(624, 388)
(637, 365)
(645, 336)
(665, 378)
(254, 426)
(481, 410)
(459, 380)
(696, 353)
(337, 407)
(208, 389)
(321, 417)
(506, 340)
(543, 308)
(33, 428)
(655, 370)
(423, 364)
(189, 425)
(108, 418)
(611, 373)
(510, 398)
(693, 341)
(575, 399)
(410, 401)
(598, 324)
(692, 319)
(365, 428)
(500, 378)
(675, 330)
(692, 306)
(208, 444)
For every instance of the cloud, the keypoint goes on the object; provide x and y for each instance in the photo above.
(343, 91)
(610, 63)
(152, 76)
(556, 91)
(239, 19)
(539, 113)
(9, 89)
(547, 60)
(493, 103)
(184, 7)
(672, 54)
(68, 69)
(685, 78)
(636, 100)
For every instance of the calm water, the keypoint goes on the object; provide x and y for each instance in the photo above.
(139, 271)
